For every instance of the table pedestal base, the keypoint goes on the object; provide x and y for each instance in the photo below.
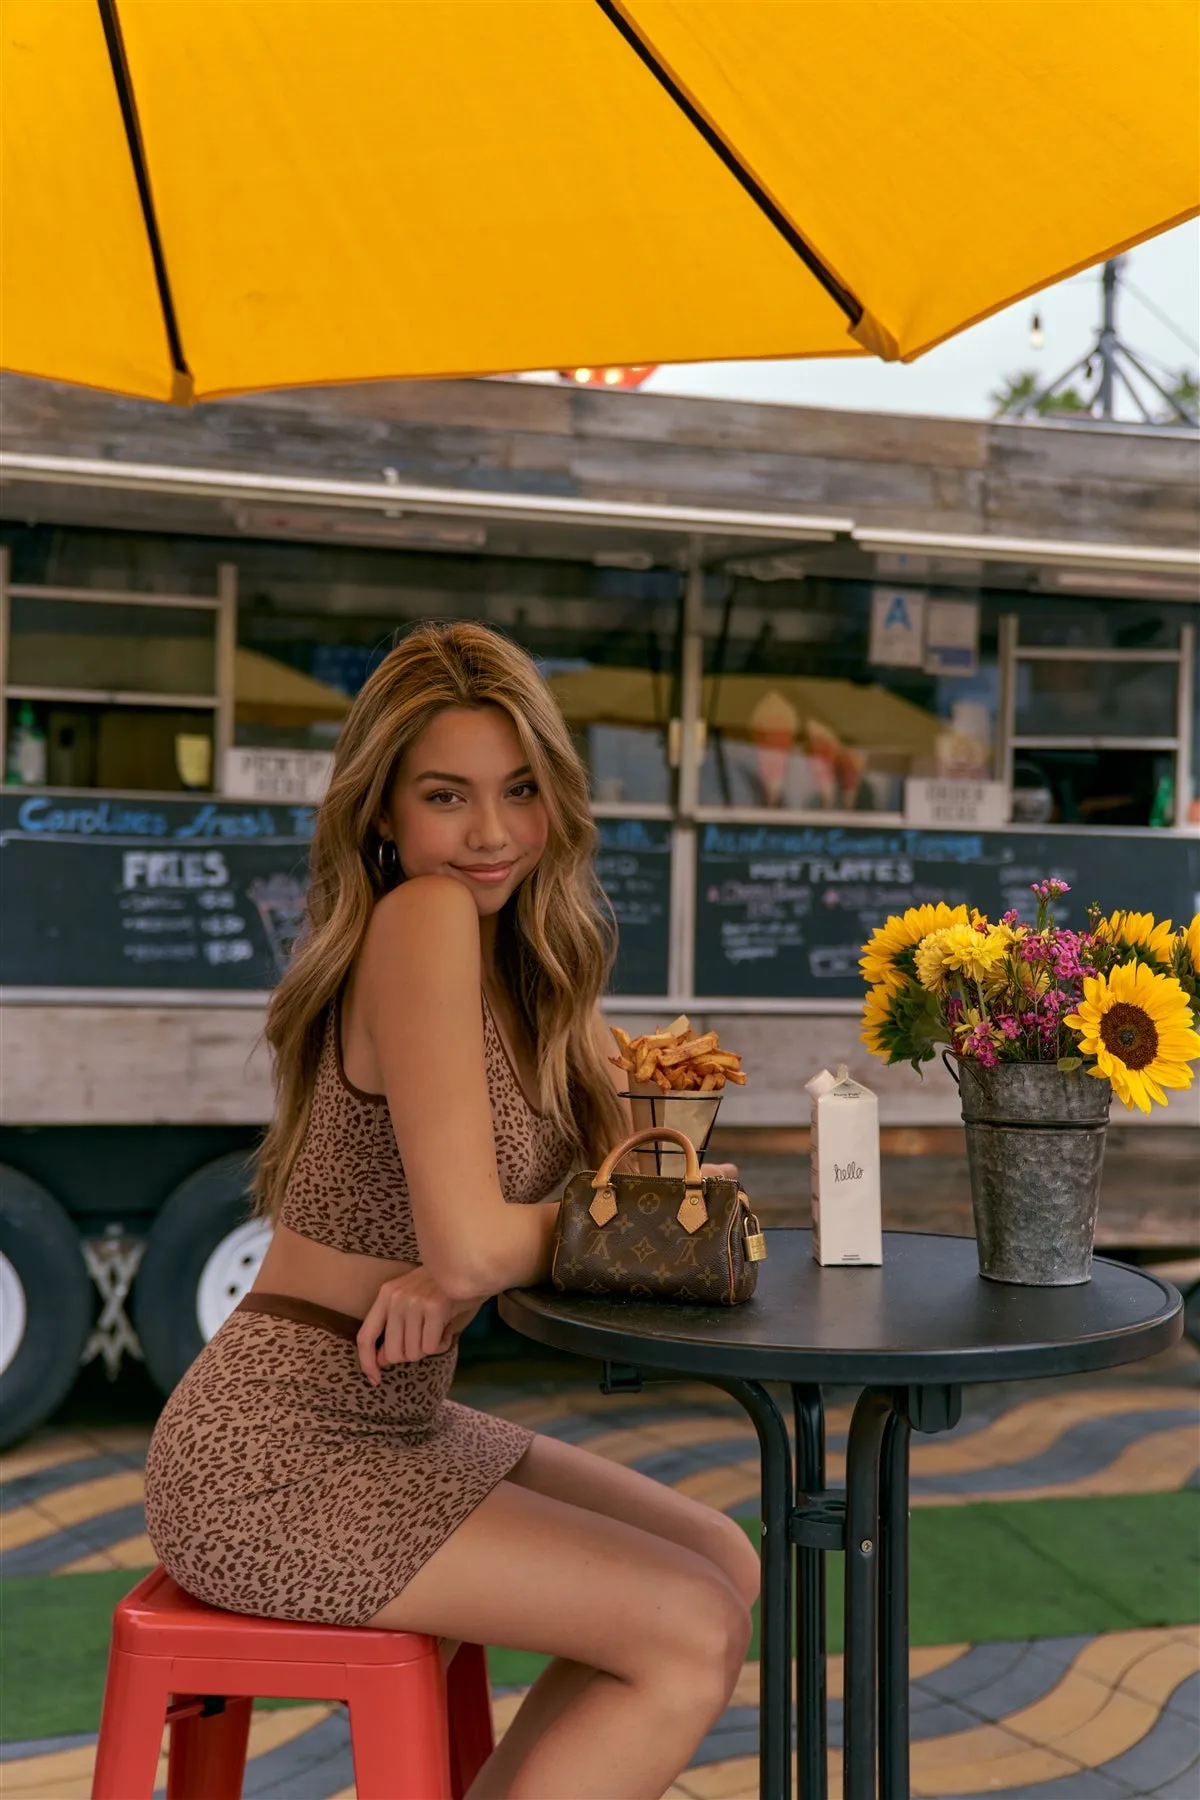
(802, 1520)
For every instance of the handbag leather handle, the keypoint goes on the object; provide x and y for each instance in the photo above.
(692, 1176)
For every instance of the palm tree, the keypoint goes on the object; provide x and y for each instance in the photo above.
(1022, 394)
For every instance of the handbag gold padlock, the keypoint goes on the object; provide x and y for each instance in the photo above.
(752, 1232)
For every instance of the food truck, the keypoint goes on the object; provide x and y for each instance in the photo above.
(820, 666)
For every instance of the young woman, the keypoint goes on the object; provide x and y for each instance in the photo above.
(440, 1068)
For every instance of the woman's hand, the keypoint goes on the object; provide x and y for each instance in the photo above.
(722, 1171)
(413, 1317)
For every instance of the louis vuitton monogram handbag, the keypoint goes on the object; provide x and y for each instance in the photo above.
(657, 1237)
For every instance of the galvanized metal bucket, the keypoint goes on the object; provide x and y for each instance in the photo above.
(1035, 1149)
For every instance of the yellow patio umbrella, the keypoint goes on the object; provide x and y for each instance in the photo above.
(206, 197)
(269, 692)
(869, 716)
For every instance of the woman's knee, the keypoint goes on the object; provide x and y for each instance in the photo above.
(736, 1556)
(709, 1634)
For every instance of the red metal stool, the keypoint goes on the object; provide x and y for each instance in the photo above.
(418, 1732)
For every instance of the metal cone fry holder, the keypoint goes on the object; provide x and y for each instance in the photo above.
(694, 1114)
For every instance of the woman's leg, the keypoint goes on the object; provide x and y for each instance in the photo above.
(580, 1478)
(662, 1631)
(557, 1687)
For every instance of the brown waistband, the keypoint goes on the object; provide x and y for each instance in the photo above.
(302, 1312)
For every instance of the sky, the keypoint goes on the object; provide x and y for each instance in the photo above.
(957, 379)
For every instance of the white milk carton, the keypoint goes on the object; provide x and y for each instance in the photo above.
(845, 1170)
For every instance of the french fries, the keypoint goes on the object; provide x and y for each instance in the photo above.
(678, 1059)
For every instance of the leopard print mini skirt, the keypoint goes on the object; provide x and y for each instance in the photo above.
(279, 1482)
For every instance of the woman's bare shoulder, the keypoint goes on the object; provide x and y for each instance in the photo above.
(431, 916)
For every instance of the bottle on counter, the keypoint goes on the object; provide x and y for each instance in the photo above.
(26, 763)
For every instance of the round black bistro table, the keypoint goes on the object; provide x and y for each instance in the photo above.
(910, 1334)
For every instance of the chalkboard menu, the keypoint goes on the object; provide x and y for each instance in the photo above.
(209, 894)
(785, 910)
(149, 894)
(634, 867)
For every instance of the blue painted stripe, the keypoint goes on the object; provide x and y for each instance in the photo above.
(27, 1490)
(1082, 1450)
(74, 1541)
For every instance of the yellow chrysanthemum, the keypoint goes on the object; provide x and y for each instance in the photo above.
(876, 1014)
(1138, 1026)
(1139, 931)
(1191, 938)
(962, 950)
(901, 933)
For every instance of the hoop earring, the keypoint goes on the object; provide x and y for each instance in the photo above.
(389, 862)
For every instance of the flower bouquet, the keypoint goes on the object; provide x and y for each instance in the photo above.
(1028, 1012)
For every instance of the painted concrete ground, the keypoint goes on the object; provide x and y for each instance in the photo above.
(1084, 1716)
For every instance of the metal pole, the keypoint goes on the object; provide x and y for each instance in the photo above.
(5, 626)
(691, 685)
(1184, 713)
(1006, 710)
(812, 1753)
(684, 741)
(226, 671)
(863, 1449)
(1108, 339)
(893, 1611)
(775, 1661)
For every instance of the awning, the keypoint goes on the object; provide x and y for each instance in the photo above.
(267, 692)
(404, 515)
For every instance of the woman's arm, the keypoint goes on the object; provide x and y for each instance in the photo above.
(419, 986)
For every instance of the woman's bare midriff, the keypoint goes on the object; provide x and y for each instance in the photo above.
(306, 1270)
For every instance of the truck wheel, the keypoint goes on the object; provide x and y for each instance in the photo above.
(202, 1254)
(46, 1304)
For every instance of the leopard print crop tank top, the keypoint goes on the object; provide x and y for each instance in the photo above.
(347, 1187)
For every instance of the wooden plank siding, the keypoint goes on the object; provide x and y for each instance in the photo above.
(98, 1064)
(903, 471)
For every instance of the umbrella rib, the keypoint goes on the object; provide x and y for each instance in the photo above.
(115, 41)
(749, 183)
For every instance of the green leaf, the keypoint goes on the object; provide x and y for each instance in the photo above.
(1067, 1065)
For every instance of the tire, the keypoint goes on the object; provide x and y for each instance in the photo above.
(202, 1254)
(1191, 1313)
(46, 1304)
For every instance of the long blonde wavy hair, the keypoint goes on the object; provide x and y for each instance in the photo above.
(555, 939)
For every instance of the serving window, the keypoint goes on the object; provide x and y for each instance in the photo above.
(822, 697)
(313, 623)
(809, 708)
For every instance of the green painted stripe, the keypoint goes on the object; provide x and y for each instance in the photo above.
(983, 1573)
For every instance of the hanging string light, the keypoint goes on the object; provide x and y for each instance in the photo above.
(613, 375)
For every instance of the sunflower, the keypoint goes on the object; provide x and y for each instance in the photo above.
(876, 1021)
(881, 955)
(1137, 1025)
(1139, 932)
(964, 950)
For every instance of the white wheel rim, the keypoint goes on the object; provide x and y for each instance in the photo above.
(229, 1273)
(12, 1312)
